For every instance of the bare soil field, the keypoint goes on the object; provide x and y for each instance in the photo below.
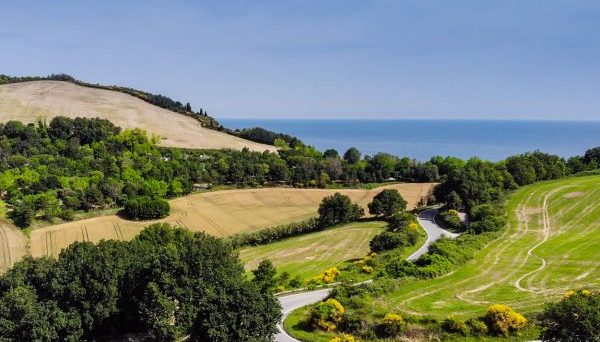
(218, 213)
(13, 246)
(30, 101)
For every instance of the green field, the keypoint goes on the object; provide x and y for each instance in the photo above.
(551, 244)
(309, 255)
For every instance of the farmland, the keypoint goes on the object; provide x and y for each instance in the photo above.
(12, 245)
(31, 101)
(308, 255)
(218, 213)
(550, 246)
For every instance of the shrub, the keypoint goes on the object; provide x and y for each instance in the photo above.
(451, 219)
(367, 269)
(478, 328)
(401, 220)
(67, 214)
(352, 324)
(326, 315)
(502, 319)
(575, 318)
(391, 326)
(406, 236)
(343, 338)
(269, 235)
(455, 326)
(146, 208)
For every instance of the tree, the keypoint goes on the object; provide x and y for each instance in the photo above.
(575, 318)
(146, 208)
(331, 153)
(453, 201)
(352, 155)
(592, 156)
(338, 209)
(387, 203)
(264, 275)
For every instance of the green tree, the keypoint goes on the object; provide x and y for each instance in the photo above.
(337, 209)
(352, 155)
(264, 275)
(576, 318)
(387, 203)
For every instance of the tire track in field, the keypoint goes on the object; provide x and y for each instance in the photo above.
(547, 227)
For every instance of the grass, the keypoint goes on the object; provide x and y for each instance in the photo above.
(309, 255)
(550, 245)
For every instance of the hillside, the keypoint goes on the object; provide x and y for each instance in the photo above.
(218, 213)
(29, 101)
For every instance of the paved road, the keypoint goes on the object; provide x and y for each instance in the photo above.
(434, 232)
(292, 302)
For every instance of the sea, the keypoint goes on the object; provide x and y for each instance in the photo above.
(422, 139)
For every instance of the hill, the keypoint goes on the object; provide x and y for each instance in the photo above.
(30, 101)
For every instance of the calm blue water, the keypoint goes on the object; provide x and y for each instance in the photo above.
(422, 139)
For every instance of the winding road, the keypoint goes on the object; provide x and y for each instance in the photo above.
(292, 302)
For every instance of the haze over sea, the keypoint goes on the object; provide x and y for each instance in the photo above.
(421, 139)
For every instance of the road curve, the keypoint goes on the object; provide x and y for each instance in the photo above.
(427, 220)
(292, 302)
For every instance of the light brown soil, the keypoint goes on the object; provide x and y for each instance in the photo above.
(218, 213)
(13, 246)
(574, 194)
(30, 101)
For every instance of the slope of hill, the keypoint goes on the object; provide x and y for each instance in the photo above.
(29, 101)
(218, 213)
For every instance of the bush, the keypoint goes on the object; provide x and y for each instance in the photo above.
(406, 236)
(352, 324)
(269, 235)
(451, 219)
(391, 326)
(455, 326)
(326, 315)
(401, 220)
(146, 208)
(67, 214)
(343, 338)
(501, 319)
(575, 318)
(478, 328)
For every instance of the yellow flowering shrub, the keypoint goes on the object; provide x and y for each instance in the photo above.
(586, 293)
(502, 319)
(344, 338)
(568, 294)
(391, 325)
(367, 269)
(326, 315)
(413, 226)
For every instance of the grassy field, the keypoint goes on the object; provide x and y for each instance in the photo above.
(551, 245)
(30, 101)
(308, 255)
(218, 213)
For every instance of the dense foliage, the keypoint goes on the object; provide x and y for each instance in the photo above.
(576, 318)
(387, 203)
(338, 209)
(265, 136)
(167, 283)
(146, 208)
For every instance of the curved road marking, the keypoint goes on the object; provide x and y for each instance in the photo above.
(290, 303)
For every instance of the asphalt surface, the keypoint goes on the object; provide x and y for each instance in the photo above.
(292, 302)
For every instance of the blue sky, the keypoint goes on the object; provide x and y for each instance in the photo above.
(315, 59)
